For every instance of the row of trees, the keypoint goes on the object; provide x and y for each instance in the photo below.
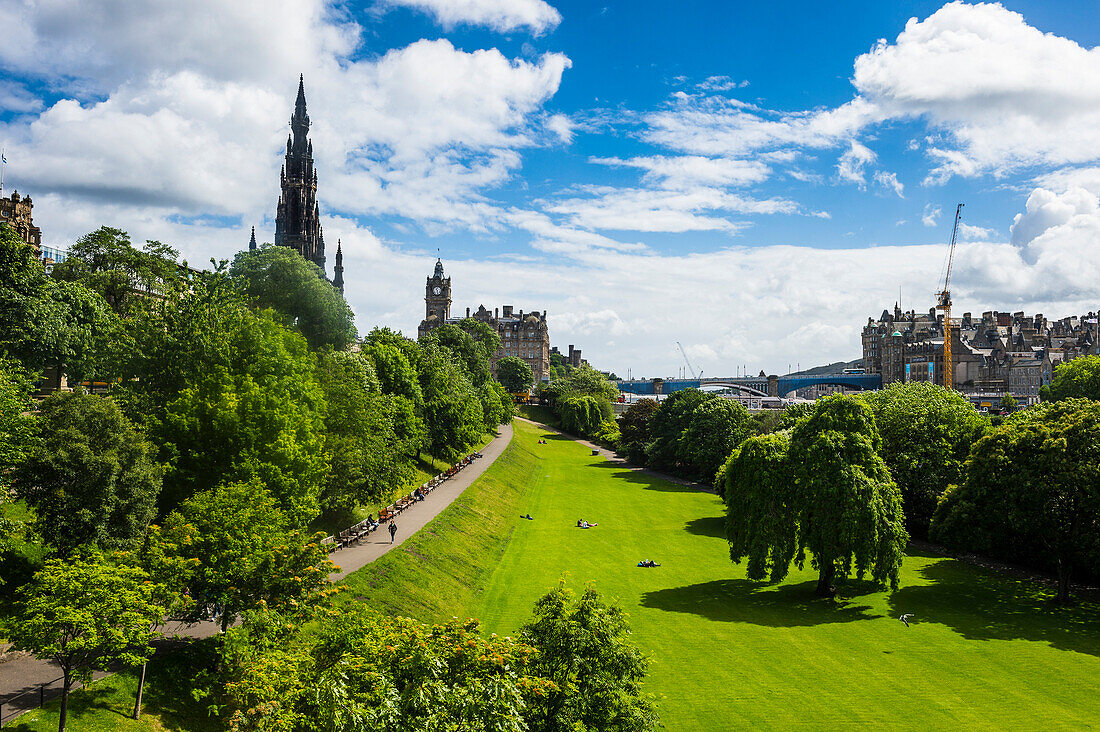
(235, 411)
(848, 479)
(581, 400)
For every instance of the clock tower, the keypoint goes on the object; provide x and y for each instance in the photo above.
(437, 295)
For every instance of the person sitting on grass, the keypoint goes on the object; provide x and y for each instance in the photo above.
(528, 517)
(648, 563)
(586, 525)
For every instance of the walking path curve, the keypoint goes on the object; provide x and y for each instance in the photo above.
(25, 673)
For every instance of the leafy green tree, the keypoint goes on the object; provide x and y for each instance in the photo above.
(583, 381)
(596, 672)
(1032, 492)
(243, 552)
(90, 476)
(453, 416)
(583, 415)
(1008, 403)
(714, 429)
(106, 262)
(496, 404)
(229, 395)
(468, 351)
(514, 374)
(282, 279)
(762, 506)
(634, 428)
(367, 455)
(83, 614)
(850, 510)
(16, 422)
(667, 426)
(1079, 378)
(927, 432)
(482, 333)
(46, 322)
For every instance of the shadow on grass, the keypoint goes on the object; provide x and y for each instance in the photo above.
(708, 526)
(745, 601)
(646, 480)
(982, 604)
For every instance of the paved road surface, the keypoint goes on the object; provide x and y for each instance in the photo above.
(26, 674)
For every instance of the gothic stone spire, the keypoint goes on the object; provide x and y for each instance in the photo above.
(252, 241)
(297, 217)
(338, 270)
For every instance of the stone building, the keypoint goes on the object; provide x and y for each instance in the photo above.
(16, 212)
(297, 214)
(523, 335)
(572, 358)
(996, 354)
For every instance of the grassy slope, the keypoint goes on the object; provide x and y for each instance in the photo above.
(445, 565)
(985, 652)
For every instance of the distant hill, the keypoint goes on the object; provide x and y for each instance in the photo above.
(830, 369)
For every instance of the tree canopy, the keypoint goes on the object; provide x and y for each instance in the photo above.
(762, 506)
(280, 278)
(83, 614)
(850, 513)
(927, 433)
(90, 476)
(106, 262)
(634, 428)
(1079, 378)
(1031, 492)
(714, 429)
(667, 426)
(514, 374)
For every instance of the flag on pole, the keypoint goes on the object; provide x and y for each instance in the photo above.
(3, 158)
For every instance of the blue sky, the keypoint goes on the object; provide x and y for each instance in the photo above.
(752, 179)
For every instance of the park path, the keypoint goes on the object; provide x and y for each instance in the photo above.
(24, 673)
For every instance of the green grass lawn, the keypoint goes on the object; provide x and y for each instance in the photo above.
(985, 652)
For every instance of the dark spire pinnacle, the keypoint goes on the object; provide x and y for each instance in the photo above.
(439, 268)
(252, 242)
(338, 270)
(300, 102)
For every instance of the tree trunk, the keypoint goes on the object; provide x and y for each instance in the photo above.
(1064, 574)
(225, 618)
(825, 579)
(65, 684)
(141, 687)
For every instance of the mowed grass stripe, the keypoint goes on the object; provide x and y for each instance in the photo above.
(986, 652)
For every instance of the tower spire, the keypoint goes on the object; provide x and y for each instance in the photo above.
(252, 242)
(338, 270)
(298, 215)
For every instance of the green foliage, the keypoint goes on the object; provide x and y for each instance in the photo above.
(596, 672)
(634, 428)
(514, 374)
(583, 415)
(714, 429)
(46, 322)
(282, 279)
(762, 506)
(1008, 403)
(667, 425)
(368, 456)
(1079, 378)
(469, 351)
(83, 614)
(90, 475)
(229, 395)
(453, 414)
(496, 404)
(850, 510)
(16, 422)
(242, 552)
(583, 381)
(1032, 492)
(927, 433)
(106, 262)
(608, 434)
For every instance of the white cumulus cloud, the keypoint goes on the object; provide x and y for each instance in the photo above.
(500, 15)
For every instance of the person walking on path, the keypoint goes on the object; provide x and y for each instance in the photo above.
(393, 531)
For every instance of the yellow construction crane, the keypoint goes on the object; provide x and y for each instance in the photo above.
(943, 302)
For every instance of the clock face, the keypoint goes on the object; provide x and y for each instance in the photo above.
(437, 289)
